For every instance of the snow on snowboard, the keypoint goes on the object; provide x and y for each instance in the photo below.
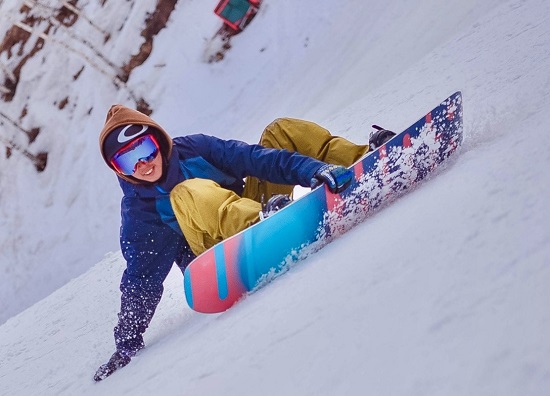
(219, 277)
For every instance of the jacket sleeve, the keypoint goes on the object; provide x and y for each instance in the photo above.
(241, 159)
(150, 248)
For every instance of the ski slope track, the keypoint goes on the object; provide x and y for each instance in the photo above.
(443, 292)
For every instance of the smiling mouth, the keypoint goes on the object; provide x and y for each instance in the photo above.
(148, 172)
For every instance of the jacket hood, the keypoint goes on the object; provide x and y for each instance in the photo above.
(119, 115)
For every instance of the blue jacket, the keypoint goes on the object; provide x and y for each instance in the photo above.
(150, 238)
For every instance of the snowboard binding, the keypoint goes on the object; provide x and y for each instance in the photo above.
(379, 137)
(274, 204)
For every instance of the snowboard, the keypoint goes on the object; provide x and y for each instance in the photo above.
(219, 277)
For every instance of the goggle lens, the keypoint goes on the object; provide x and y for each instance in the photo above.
(144, 149)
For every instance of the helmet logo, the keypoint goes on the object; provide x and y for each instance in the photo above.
(122, 137)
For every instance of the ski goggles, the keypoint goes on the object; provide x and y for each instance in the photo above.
(143, 149)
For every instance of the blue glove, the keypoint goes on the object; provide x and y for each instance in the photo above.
(336, 177)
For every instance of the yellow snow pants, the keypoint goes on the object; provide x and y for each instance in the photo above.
(208, 213)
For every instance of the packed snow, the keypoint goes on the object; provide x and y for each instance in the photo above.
(445, 292)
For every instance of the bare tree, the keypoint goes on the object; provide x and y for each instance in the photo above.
(112, 74)
(36, 4)
(31, 133)
(8, 72)
(39, 160)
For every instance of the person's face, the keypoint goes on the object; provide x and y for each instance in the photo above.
(141, 159)
(149, 171)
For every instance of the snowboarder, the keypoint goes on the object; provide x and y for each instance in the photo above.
(183, 195)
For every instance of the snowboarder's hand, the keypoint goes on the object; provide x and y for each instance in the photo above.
(336, 177)
(115, 362)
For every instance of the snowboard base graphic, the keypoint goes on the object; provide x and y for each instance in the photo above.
(219, 277)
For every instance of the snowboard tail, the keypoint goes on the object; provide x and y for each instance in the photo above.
(219, 277)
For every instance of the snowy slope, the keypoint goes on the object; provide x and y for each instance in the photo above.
(444, 292)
